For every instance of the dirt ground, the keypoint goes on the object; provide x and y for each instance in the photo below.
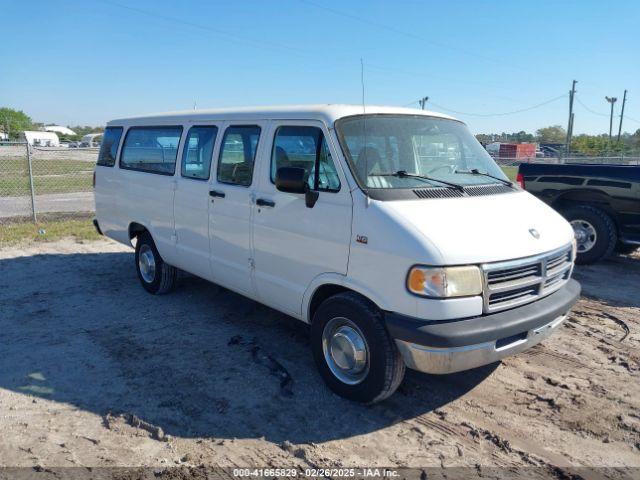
(96, 372)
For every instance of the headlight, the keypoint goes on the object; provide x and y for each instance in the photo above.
(574, 249)
(445, 281)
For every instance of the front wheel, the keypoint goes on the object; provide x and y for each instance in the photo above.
(353, 350)
(156, 276)
(594, 230)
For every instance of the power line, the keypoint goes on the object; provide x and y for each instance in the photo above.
(422, 76)
(626, 117)
(229, 36)
(538, 105)
(417, 100)
(591, 110)
(408, 34)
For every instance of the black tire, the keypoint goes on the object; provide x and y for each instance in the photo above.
(605, 229)
(626, 248)
(385, 365)
(164, 278)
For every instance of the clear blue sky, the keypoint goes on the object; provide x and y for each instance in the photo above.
(84, 62)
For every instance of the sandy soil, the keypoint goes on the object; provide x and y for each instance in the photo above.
(96, 372)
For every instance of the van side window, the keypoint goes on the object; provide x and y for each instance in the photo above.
(238, 154)
(151, 149)
(299, 147)
(109, 147)
(197, 152)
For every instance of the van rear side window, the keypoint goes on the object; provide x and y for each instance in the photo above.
(238, 152)
(109, 147)
(151, 149)
(197, 152)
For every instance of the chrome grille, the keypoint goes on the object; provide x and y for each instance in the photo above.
(516, 282)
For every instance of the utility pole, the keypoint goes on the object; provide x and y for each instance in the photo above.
(612, 101)
(624, 100)
(423, 101)
(572, 94)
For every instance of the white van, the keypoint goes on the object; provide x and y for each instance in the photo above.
(390, 231)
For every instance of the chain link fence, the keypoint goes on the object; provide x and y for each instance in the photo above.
(622, 160)
(45, 182)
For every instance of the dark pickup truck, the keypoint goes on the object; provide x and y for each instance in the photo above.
(602, 203)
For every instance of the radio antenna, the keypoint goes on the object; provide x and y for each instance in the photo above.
(363, 150)
(362, 83)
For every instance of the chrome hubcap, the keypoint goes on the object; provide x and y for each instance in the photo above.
(345, 350)
(586, 235)
(147, 264)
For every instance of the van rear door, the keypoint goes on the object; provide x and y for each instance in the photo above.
(192, 200)
(230, 210)
(148, 161)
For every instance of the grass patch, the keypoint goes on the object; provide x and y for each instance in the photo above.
(50, 176)
(54, 228)
(45, 166)
(510, 172)
(19, 186)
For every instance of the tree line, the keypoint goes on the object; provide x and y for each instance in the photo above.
(14, 122)
(583, 144)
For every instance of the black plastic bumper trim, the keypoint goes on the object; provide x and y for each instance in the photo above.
(485, 328)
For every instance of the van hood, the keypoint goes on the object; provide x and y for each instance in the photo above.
(484, 229)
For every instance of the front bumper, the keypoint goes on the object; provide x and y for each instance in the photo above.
(447, 346)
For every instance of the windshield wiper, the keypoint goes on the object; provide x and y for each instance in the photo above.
(405, 174)
(475, 171)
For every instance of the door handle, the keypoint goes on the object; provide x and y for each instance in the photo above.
(215, 193)
(262, 202)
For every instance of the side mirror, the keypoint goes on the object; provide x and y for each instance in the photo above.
(294, 180)
(291, 179)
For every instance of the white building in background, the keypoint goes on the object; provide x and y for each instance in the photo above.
(41, 139)
(59, 129)
(3, 136)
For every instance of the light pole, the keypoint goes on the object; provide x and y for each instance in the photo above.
(612, 101)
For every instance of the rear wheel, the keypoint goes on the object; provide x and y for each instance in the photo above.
(353, 350)
(594, 230)
(156, 276)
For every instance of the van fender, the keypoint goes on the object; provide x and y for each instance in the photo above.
(130, 232)
(331, 278)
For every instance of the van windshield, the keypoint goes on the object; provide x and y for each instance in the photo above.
(400, 151)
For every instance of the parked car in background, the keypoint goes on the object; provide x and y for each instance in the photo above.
(602, 203)
(91, 140)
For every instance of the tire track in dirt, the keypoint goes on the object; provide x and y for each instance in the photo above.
(168, 361)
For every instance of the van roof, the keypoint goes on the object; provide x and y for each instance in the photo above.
(327, 113)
